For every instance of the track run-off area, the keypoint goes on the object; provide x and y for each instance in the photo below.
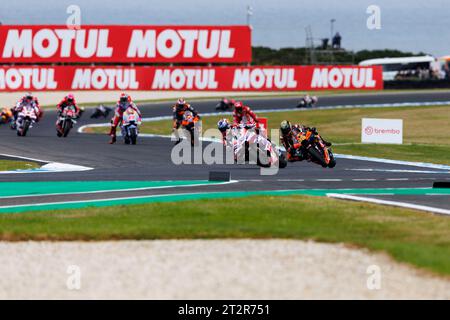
(84, 170)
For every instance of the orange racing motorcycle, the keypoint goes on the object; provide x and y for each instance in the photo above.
(316, 150)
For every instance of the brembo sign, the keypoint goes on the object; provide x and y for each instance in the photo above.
(230, 78)
(382, 131)
(125, 44)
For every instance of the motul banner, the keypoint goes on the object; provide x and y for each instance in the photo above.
(230, 78)
(125, 44)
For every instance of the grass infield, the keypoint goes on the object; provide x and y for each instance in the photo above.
(9, 165)
(417, 238)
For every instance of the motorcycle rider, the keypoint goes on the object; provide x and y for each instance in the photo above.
(179, 108)
(41, 111)
(101, 111)
(308, 101)
(292, 137)
(243, 115)
(27, 99)
(6, 115)
(225, 104)
(223, 125)
(67, 101)
(122, 105)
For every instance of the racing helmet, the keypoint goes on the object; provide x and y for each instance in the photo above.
(28, 97)
(70, 98)
(285, 127)
(238, 106)
(223, 125)
(181, 102)
(124, 98)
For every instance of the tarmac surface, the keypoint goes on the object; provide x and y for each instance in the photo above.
(151, 160)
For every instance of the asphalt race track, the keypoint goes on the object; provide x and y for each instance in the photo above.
(150, 159)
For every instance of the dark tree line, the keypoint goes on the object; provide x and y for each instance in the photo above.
(295, 56)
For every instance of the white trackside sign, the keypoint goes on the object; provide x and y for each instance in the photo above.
(382, 131)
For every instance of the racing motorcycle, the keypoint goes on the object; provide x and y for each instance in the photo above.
(25, 119)
(225, 104)
(192, 125)
(130, 126)
(317, 151)
(307, 102)
(101, 111)
(247, 137)
(6, 116)
(67, 119)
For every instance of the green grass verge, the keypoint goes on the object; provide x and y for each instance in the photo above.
(421, 239)
(7, 165)
(426, 130)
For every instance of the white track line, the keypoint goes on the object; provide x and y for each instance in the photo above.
(399, 170)
(399, 162)
(390, 203)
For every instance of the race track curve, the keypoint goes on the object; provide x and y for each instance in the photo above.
(150, 159)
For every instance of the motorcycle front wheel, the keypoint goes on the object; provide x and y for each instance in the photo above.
(282, 162)
(133, 135)
(66, 128)
(318, 157)
(26, 126)
(332, 162)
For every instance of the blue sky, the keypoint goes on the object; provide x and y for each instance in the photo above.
(413, 25)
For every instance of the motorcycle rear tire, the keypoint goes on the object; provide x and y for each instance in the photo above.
(332, 162)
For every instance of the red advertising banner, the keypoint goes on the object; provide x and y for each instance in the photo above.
(230, 78)
(124, 44)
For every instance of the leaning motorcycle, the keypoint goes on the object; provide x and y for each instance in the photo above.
(6, 116)
(317, 151)
(130, 126)
(25, 119)
(67, 119)
(307, 102)
(101, 111)
(224, 105)
(248, 141)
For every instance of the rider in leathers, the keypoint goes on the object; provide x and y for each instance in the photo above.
(122, 105)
